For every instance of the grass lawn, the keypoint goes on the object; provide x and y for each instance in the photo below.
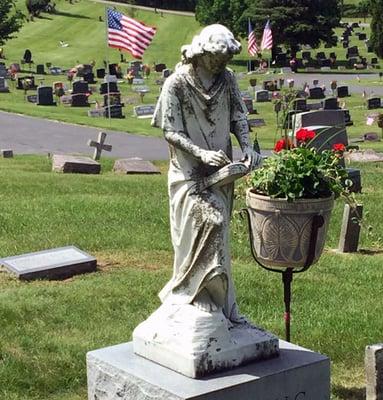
(78, 24)
(48, 326)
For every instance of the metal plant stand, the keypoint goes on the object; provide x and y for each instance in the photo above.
(287, 274)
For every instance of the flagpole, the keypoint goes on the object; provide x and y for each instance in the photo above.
(107, 66)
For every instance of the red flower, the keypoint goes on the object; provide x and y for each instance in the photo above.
(282, 145)
(339, 147)
(304, 135)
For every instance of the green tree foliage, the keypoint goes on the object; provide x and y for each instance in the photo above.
(225, 12)
(35, 7)
(10, 20)
(377, 27)
(294, 22)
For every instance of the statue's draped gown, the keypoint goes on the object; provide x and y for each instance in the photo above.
(199, 220)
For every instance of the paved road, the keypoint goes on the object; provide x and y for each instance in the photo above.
(29, 135)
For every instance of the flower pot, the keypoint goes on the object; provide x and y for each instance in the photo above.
(281, 231)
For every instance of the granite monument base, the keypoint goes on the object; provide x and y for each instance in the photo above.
(116, 373)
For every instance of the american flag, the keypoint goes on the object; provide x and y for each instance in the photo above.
(126, 33)
(267, 38)
(252, 47)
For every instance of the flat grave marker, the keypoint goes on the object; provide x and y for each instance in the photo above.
(145, 111)
(256, 122)
(56, 263)
(131, 166)
(138, 81)
(75, 164)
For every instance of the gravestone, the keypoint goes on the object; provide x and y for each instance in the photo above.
(160, 67)
(117, 372)
(131, 166)
(342, 91)
(99, 145)
(290, 119)
(40, 70)
(374, 371)
(113, 88)
(321, 55)
(373, 103)
(3, 71)
(362, 36)
(299, 104)
(314, 106)
(374, 60)
(96, 112)
(145, 111)
(56, 263)
(253, 82)
(100, 73)
(262, 96)
(79, 100)
(75, 164)
(347, 117)
(350, 231)
(31, 85)
(249, 105)
(330, 103)
(320, 118)
(3, 85)
(306, 55)
(114, 111)
(256, 122)
(316, 93)
(270, 86)
(45, 96)
(55, 70)
(325, 62)
(32, 98)
(80, 87)
(6, 153)
(89, 77)
(110, 79)
(138, 81)
(166, 73)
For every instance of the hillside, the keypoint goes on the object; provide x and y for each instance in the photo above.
(78, 24)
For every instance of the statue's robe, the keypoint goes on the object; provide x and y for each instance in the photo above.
(199, 219)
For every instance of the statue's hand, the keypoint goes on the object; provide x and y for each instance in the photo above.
(215, 158)
(251, 158)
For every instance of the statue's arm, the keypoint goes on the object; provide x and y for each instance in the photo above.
(184, 143)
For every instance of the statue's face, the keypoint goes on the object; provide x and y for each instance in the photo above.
(214, 63)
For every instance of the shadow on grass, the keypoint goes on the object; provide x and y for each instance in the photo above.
(349, 393)
(70, 15)
(370, 252)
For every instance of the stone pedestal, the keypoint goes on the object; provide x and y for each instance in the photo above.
(116, 373)
(196, 343)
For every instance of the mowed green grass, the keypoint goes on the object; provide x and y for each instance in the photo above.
(78, 24)
(48, 326)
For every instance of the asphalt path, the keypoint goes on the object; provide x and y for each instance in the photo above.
(30, 135)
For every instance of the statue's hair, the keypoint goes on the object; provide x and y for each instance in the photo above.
(215, 39)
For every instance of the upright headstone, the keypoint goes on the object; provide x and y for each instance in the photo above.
(80, 92)
(330, 103)
(3, 85)
(342, 91)
(6, 153)
(99, 145)
(316, 93)
(350, 231)
(262, 96)
(374, 372)
(40, 70)
(374, 103)
(45, 96)
(100, 73)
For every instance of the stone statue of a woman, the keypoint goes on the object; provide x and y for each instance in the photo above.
(200, 105)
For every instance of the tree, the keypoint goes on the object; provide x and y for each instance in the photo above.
(295, 22)
(363, 8)
(225, 12)
(35, 7)
(377, 27)
(10, 20)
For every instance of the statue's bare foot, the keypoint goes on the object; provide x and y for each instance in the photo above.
(204, 302)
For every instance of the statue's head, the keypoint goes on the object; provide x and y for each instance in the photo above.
(215, 45)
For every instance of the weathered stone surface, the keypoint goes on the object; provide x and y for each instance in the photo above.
(135, 166)
(349, 235)
(196, 343)
(75, 164)
(116, 373)
(374, 372)
(52, 264)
